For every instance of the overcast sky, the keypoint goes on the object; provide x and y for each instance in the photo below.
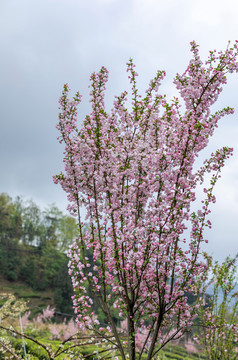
(46, 43)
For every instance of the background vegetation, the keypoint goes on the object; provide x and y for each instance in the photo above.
(33, 244)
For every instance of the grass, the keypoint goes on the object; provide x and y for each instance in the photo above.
(172, 352)
(21, 290)
(176, 352)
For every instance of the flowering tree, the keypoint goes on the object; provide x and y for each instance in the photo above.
(219, 312)
(132, 170)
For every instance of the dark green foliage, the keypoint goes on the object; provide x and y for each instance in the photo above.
(27, 272)
(10, 230)
(63, 289)
(32, 245)
(26, 223)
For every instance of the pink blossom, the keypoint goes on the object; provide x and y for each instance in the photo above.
(133, 173)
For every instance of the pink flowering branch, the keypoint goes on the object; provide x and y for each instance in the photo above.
(132, 171)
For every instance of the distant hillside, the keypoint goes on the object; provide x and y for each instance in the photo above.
(32, 246)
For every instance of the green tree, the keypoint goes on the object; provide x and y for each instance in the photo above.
(219, 313)
(31, 219)
(10, 232)
(10, 219)
(63, 288)
(68, 231)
